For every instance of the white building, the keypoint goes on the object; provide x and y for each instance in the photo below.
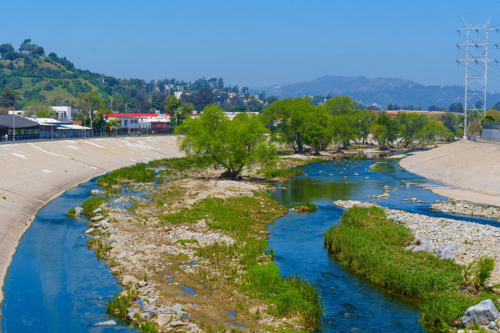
(63, 112)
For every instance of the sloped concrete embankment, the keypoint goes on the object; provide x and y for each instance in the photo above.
(472, 168)
(32, 174)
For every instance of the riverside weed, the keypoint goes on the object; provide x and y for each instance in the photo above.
(139, 172)
(373, 246)
(91, 204)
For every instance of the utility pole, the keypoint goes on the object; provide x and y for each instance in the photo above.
(126, 117)
(476, 68)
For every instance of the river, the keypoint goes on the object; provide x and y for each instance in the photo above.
(55, 284)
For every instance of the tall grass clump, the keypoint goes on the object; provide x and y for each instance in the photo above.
(139, 172)
(92, 204)
(374, 247)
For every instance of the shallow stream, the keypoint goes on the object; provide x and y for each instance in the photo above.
(55, 284)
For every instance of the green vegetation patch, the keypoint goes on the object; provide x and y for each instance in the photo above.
(244, 219)
(71, 212)
(374, 247)
(183, 163)
(139, 172)
(306, 207)
(92, 204)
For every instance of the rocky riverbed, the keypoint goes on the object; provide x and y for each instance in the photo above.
(473, 240)
(466, 208)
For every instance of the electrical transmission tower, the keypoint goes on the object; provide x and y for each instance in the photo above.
(476, 68)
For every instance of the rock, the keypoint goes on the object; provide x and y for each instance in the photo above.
(448, 251)
(112, 231)
(96, 211)
(78, 210)
(177, 323)
(385, 195)
(422, 245)
(106, 323)
(105, 225)
(181, 315)
(391, 217)
(121, 256)
(413, 199)
(143, 283)
(177, 307)
(419, 201)
(167, 310)
(163, 319)
(146, 315)
(90, 231)
(491, 325)
(131, 313)
(109, 241)
(482, 314)
(150, 300)
(95, 191)
(129, 279)
(97, 218)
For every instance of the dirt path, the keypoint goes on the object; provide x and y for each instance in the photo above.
(473, 169)
(32, 174)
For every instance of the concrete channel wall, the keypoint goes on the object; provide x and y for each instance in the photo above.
(32, 174)
(471, 168)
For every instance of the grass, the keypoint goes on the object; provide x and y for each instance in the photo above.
(243, 218)
(282, 173)
(306, 207)
(101, 249)
(373, 247)
(92, 204)
(139, 172)
(71, 212)
(183, 163)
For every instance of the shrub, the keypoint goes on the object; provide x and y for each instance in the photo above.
(92, 204)
(306, 207)
(140, 172)
(71, 212)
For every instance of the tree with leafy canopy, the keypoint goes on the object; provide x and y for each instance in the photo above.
(292, 117)
(6, 49)
(384, 130)
(410, 124)
(341, 105)
(88, 103)
(172, 103)
(8, 98)
(233, 144)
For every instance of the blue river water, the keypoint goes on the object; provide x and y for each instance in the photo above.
(350, 302)
(55, 284)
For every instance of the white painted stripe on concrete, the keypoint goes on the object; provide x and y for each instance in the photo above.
(93, 144)
(47, 171)
(20, 155)
(46, 151)
(73, 147)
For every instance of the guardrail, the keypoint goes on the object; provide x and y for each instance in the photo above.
(46, 137)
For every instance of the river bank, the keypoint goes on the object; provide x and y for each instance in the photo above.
(471, 168)
(33, 174)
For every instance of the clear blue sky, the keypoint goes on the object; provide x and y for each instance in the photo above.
(252, 43)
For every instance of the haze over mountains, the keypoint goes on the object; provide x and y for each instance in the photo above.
(382, 91)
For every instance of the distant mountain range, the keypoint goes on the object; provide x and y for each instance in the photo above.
(382, 91)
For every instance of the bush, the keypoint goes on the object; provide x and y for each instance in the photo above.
(139, 172)
(183, 163)
(306, 207)
(373, 246)
(92, 204)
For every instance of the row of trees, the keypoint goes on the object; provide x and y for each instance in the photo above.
(247, 139)
(298, 122)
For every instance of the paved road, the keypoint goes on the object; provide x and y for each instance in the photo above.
(32, 174)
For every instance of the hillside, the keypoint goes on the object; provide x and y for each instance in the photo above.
(382, 91)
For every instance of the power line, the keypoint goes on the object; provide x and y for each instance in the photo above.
(479, 10)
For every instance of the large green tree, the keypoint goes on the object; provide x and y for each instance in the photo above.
(385, 130)
(234, 144)
(89, 103)
(410, 124)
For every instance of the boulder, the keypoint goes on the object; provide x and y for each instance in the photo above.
(143, 283)
(448, 251)
(90, 231)
(163, 319)
(107, 323)
(482, 314)
(129, 279)
(146, 315)
(97, 211)
(177, 323)
(78, 210)
(105, 225)
(97, 218)
(422, 245)
(181, 315)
